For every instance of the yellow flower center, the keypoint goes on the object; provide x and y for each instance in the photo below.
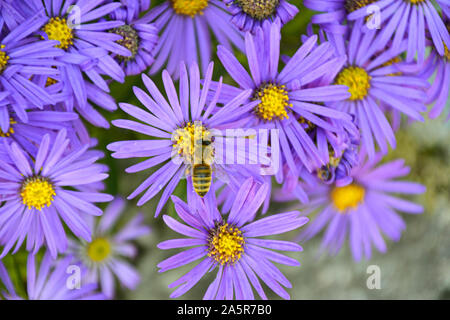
(258, 9)
(189, 7)
(10, 130)
(357, 80)
(226, 244)
(4, 58)
(58, 29)
(37, 192)
(130, 40)
(353, 5)
(417, 1)
(193, 143)
(99, 249)
(347, 197)
(274, 102)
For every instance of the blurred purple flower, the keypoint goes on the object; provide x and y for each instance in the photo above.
(362, 210)
(50, 281)
(105, 256)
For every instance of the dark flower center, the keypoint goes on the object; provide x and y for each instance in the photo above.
(130, 40)
(258, 9)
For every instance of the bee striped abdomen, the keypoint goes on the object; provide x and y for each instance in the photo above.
(201, 178)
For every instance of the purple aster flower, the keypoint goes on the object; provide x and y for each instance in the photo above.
(375, 82)
(342, 151)
(85, 41)
(397, 20)
(29, 134)
(438, 93)
(250, 14)
(175, 127)
(138, 37)
(10, 16)
(96, 97)
(185, 27)
(6, 281)
(231, 245)
(362, 210)
(50, 281)
(289, 100)
(333, 14)
(40, 192)
(105, 256)
(226, 194)
(21, 60)
(410, 20)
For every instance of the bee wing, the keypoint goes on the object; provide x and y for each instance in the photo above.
(187, 172)
(221, 174)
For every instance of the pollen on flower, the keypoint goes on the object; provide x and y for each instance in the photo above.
(258, 9)
(58, 29)
(99, 249)
(4, 58)
(193, 142)
(37, 192)
(357, 80)
(130, 40)
(274, 102)
(189, 7)
(10, 130)
(349, 196)
(226, 244)
(417, 1)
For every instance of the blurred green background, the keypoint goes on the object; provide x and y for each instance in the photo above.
(417, 267)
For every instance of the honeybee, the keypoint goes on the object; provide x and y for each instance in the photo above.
(327, 172)
(201, 178)
(324, 173)
(202, 173)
